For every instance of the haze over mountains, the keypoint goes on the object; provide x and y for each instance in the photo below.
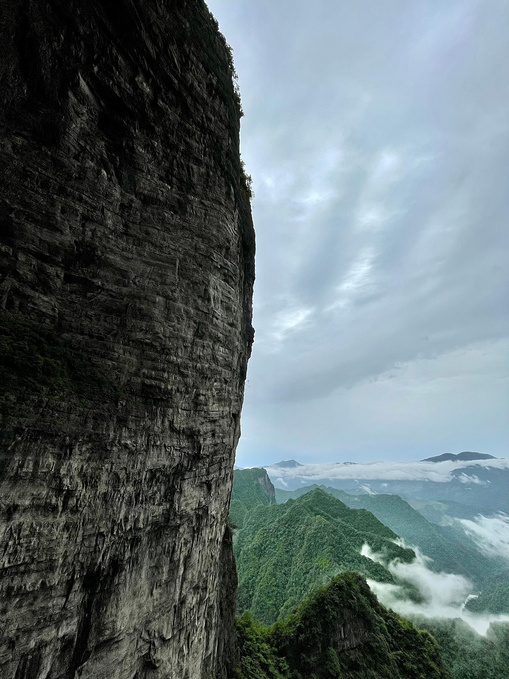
(476, 481)
(285, 551)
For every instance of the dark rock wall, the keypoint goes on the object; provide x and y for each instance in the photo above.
(227, 651)
(126, 272)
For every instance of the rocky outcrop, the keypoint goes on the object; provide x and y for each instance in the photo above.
(267, 487)
(126, 262)
(251, 487)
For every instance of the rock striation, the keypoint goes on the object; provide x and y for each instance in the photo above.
(126, 273)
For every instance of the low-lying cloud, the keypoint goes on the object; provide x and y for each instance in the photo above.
(443, 594)
(439, 472)
(491, 534)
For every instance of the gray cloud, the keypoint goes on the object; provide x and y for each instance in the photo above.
(377, 135)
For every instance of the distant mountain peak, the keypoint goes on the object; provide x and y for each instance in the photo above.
(465, 456)
(287, 464)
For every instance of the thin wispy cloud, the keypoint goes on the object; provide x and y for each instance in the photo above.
(491, 534)
(443, 594)
(288, 320)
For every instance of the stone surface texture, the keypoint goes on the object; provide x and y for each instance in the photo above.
(125, 233)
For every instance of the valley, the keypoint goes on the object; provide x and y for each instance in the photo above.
(293, 547)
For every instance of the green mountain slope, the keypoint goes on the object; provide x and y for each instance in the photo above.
(251, 487)
(468, 655)
(443, 513)
(284, 495)
(285, 551)
(340, 631)
(449, 553)
(494, 596)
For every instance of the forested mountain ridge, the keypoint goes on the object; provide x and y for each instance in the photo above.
(447, 551)
(253, 486)
(340, 631)
(285, 551)
(467, 654)
(494, 596)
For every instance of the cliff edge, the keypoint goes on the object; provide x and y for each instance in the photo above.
(126, 273)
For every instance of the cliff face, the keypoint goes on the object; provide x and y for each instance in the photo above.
(126, 262)
(251, 487)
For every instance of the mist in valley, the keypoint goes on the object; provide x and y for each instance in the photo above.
(442, 595)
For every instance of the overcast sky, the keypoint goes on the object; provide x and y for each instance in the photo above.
(377, 136)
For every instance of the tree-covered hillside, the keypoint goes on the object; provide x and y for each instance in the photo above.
(449, 553)
(285, 551)
(339, 632)
(251, 487)
(494, 596)
(469, 655)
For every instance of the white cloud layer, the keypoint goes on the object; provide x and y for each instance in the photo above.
(443, 594)
(439, 472)
(491, 534)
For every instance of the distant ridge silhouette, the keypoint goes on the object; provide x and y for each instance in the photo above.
(460, 457)
(287, 464)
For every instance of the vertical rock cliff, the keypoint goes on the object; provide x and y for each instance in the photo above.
(126, 272)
